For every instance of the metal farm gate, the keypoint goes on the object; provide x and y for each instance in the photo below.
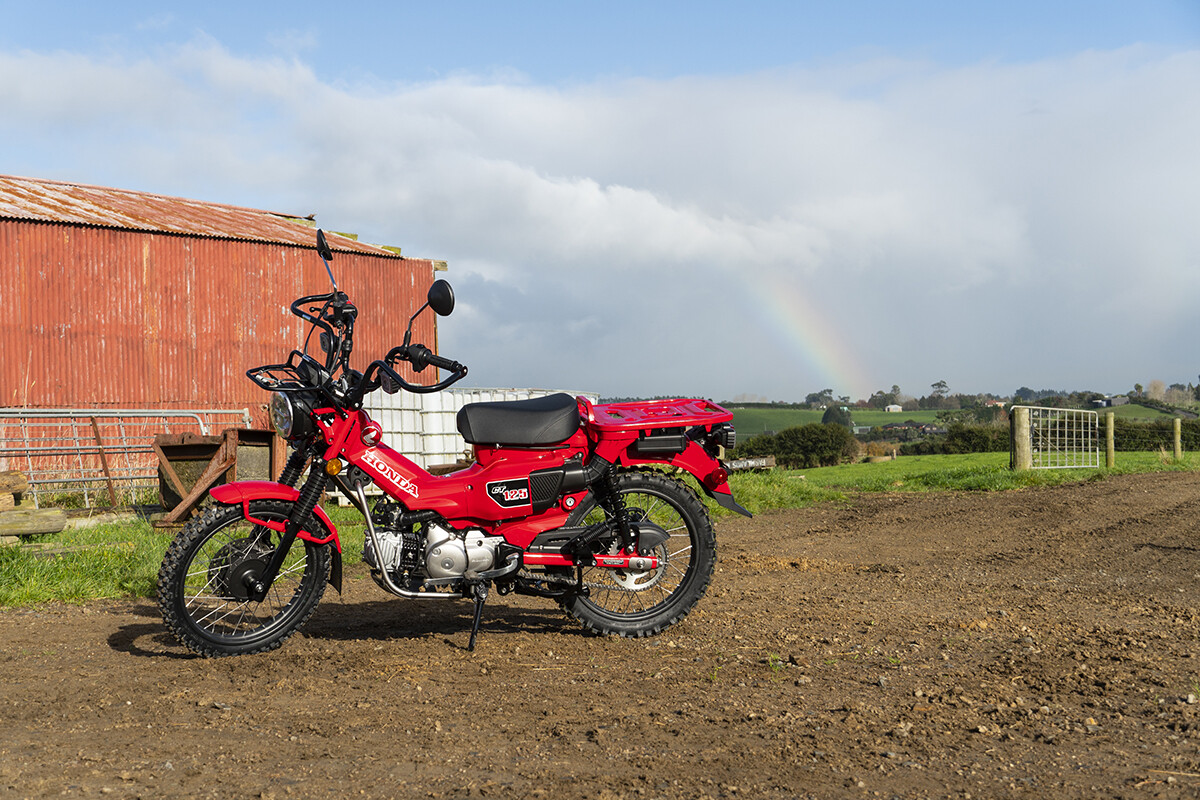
(97, 457)
(1055, 438)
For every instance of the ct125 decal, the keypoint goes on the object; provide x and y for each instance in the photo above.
(509, 494)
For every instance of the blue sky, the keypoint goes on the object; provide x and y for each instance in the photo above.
(556, 42)
(699, 198)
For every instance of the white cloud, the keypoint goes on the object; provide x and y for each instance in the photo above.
(619, 228)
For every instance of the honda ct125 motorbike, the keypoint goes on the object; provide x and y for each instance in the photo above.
(566, 500)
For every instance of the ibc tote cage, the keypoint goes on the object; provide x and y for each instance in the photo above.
(424, 428)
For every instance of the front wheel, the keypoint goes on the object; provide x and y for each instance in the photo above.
(644, 603)
(202, 584)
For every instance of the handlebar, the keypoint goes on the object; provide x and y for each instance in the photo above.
(381, 372)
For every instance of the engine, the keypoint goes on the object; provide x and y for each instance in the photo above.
(432, 550)
(448, 554)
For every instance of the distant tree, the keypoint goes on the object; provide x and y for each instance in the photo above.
(838, 415)
(1157, 390)
(1137, 390)
(882, 399)
(1178, 395)
(821, 398)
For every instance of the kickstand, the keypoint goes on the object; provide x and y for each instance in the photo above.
(481, 595)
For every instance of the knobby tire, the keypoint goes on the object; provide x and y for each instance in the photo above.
(631, 604)
(194, 594)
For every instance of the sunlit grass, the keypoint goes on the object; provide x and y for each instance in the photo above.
(973, 472)
(79, 564)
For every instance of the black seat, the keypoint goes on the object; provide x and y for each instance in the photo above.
(538, 421)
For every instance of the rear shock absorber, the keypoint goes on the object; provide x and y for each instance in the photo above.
(613, 503)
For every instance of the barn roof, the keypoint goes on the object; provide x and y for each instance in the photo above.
(97, 206)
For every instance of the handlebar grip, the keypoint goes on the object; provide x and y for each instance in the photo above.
(444, 363)
(421, 356)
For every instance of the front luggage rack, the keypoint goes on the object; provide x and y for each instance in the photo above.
(299, 373)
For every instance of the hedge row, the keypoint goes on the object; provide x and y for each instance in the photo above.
(805, 446)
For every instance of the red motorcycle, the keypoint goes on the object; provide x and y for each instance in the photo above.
(566, 500)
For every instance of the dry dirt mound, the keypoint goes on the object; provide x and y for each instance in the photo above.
(1040, 643)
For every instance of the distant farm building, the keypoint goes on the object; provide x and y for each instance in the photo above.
(893, 408)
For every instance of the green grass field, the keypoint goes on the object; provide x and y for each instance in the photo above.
(1137, 412)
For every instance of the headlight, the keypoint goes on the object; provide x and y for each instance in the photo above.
(283, 415)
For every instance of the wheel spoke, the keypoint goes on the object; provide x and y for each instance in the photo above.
(209, 564)
(625, 593)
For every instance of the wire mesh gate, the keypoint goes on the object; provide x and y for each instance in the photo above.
(1055, 438)
(94, 457)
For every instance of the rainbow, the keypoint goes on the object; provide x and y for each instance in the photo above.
(812, 336)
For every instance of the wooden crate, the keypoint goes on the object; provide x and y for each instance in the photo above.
(190, 464)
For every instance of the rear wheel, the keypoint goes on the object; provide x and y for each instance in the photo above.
(202, 584)
(645, 602)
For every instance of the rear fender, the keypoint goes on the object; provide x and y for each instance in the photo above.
(708, 471)
(242, 492)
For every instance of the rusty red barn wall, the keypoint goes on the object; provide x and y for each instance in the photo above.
(100, 317)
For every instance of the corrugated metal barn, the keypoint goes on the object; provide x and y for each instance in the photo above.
(121, 309)
(115, 298)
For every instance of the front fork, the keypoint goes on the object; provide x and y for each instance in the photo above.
(310, 495)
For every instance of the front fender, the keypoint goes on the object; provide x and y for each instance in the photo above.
(242, 492)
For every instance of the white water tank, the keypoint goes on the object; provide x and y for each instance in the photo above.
(423, 427)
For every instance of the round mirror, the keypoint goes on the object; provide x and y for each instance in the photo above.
(441, 298)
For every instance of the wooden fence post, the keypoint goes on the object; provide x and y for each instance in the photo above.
(1022, 442)
(1178, 439)
(1110, 440)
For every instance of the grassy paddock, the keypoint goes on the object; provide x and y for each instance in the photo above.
(972, 472)
(122, 559)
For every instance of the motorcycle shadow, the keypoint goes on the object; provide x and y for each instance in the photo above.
(371, 620)
(386, 620)
(146, 639)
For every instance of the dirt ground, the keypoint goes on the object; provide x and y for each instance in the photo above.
(1041, 643)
